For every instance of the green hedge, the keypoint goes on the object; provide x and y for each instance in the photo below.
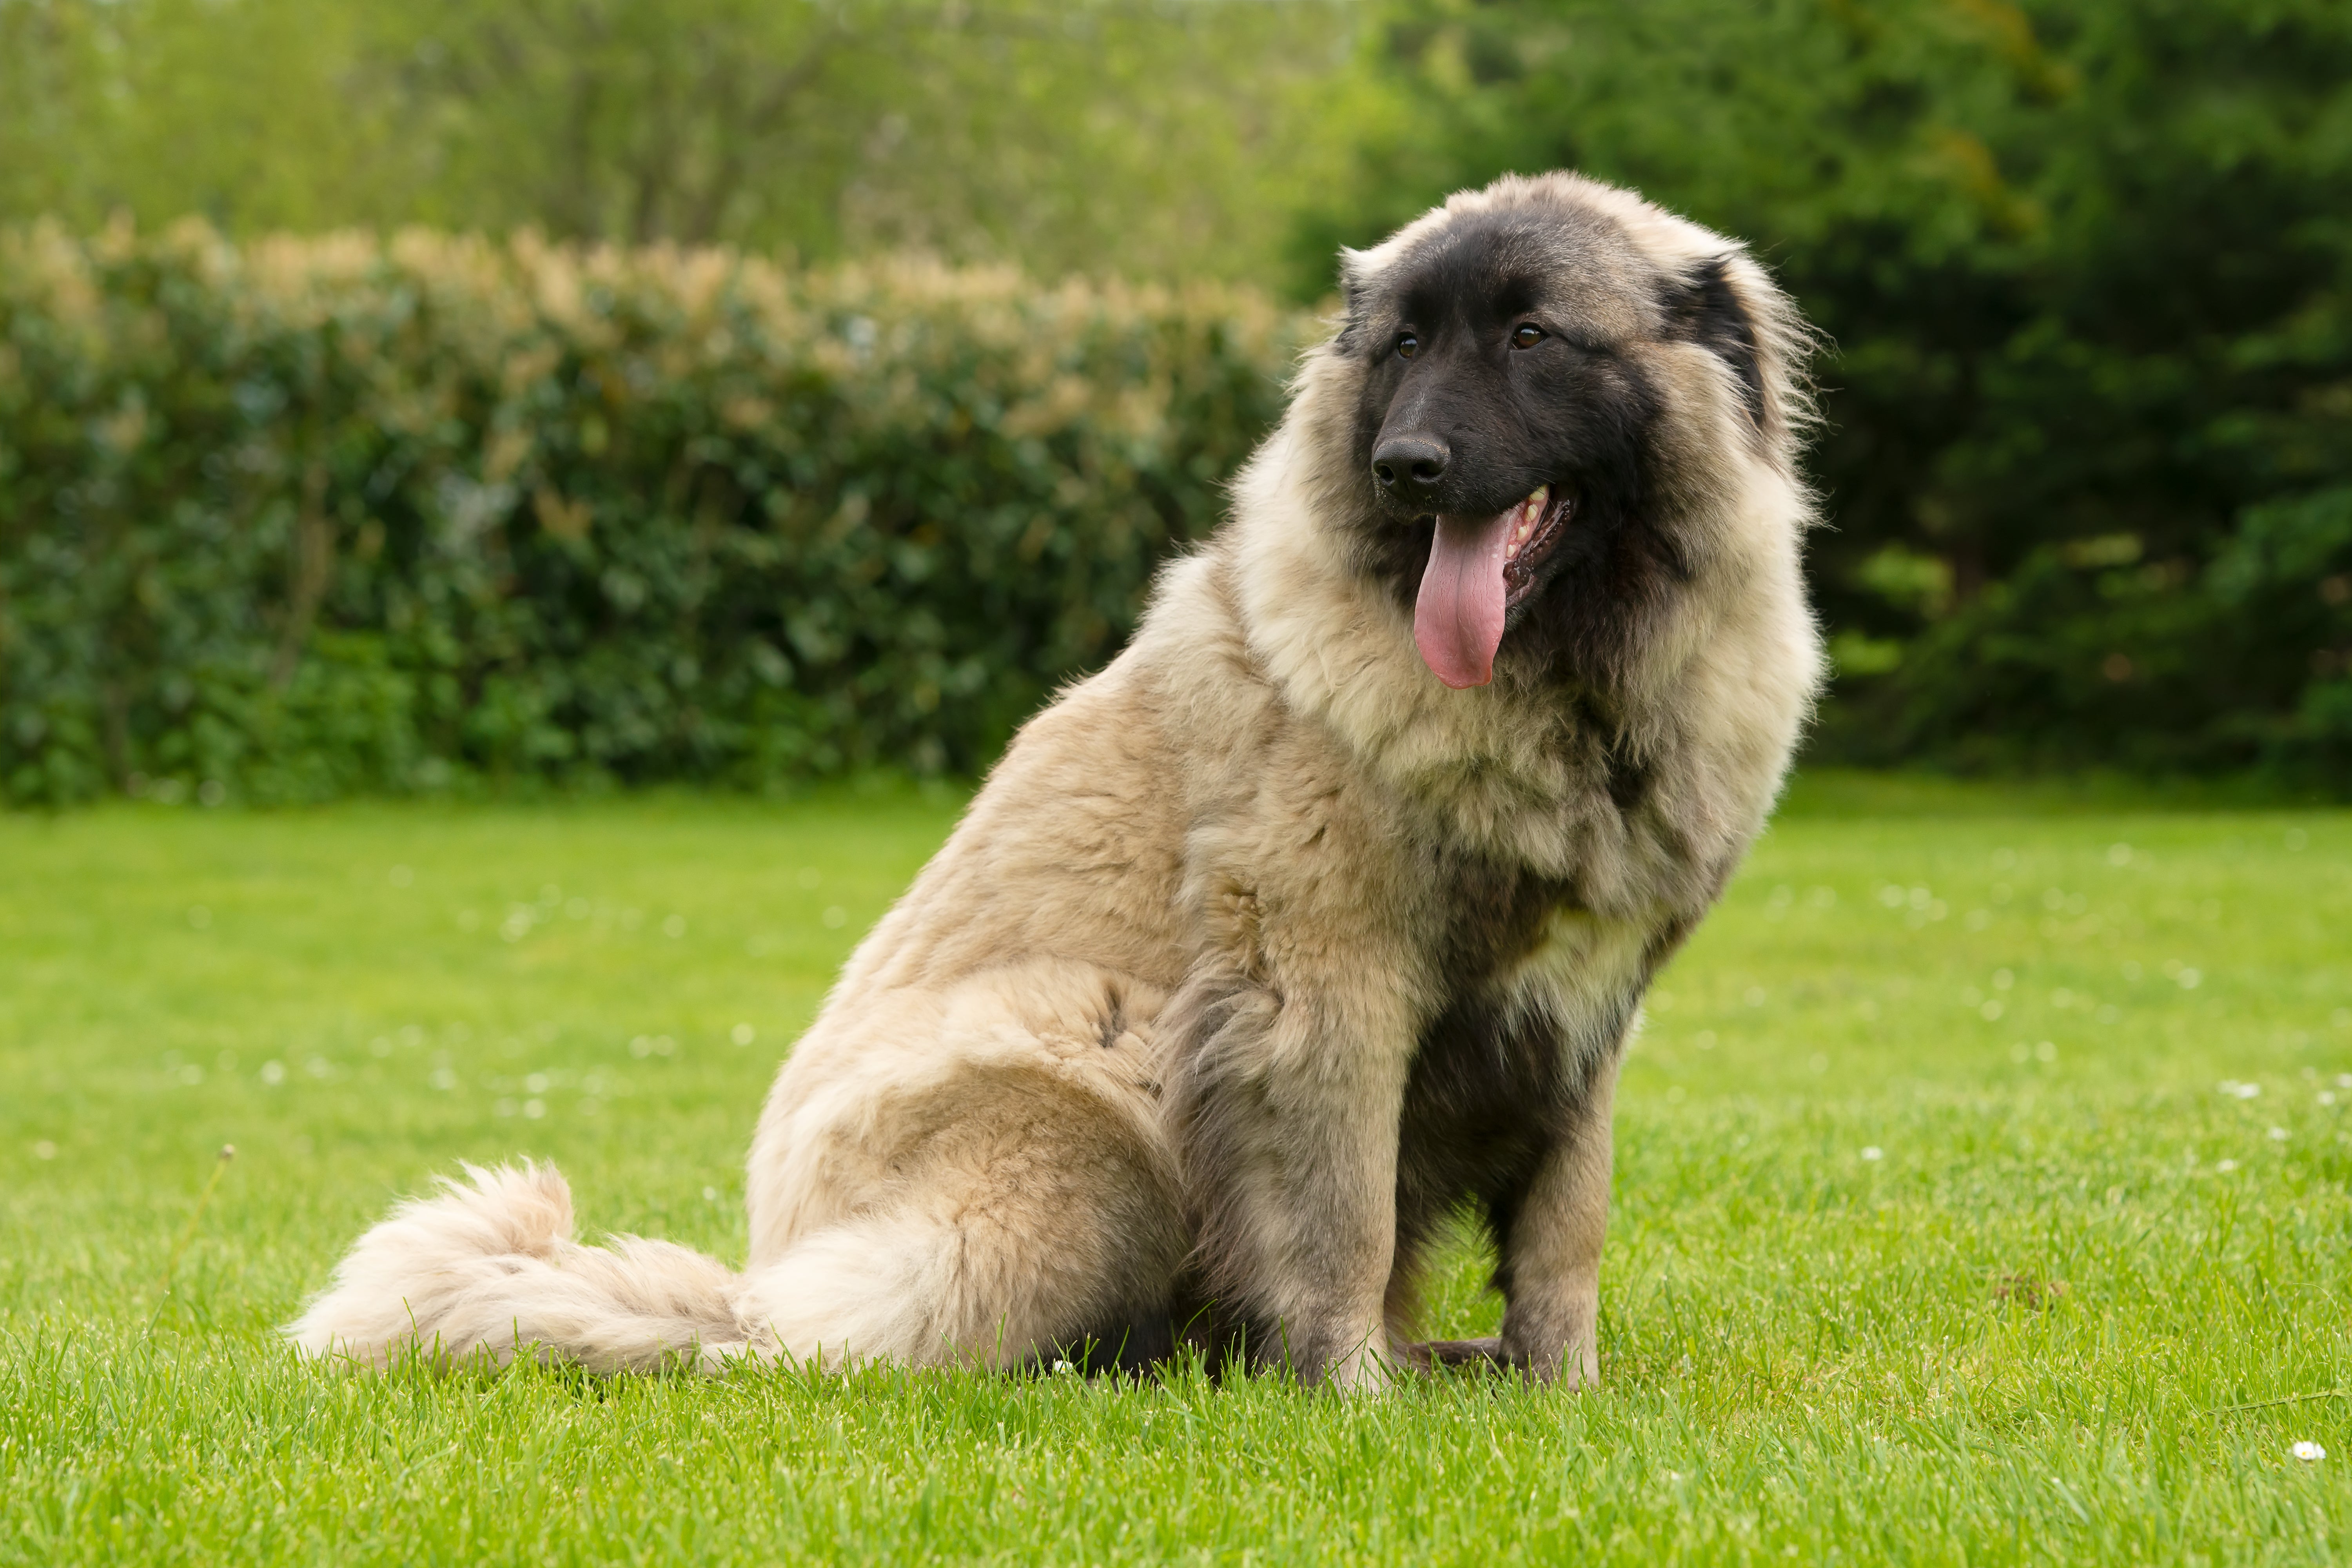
(304, 517)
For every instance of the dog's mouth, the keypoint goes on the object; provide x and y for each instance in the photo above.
(1480, 569)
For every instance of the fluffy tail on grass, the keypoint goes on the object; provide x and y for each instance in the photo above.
(487, 1268)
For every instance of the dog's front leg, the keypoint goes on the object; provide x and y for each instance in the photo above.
(1286, 1108)
(1551, 1254)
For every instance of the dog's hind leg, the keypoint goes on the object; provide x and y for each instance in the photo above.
(1035, 1218)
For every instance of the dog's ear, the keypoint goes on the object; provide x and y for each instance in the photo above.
(1356, 269)
(1704, 307)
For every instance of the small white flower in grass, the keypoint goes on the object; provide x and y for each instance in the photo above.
(1873, 1152)
(2237, 1090)
(2225, 1166)
(2309, 1452)
(743, 1034)
(2278, 1134)
(1063, 1369)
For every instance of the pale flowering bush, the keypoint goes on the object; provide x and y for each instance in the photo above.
(307, 516)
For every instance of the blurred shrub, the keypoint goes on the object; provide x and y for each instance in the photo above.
(303, 517)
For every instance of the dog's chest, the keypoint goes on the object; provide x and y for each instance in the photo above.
(1520, 942)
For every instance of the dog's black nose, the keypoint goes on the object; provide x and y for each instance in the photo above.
(1408, 464)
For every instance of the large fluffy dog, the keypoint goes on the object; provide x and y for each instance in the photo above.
(1326, 907)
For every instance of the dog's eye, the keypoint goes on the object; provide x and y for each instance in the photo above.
(1407, 346)
(1528, 335)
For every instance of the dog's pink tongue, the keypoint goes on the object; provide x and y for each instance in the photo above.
(1457, 622)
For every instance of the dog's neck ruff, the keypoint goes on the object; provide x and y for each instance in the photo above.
(1340, 649)
(1726, 672)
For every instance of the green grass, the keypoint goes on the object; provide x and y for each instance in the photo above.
(1891, 1278)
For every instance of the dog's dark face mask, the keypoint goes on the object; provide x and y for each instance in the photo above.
(1502, 433)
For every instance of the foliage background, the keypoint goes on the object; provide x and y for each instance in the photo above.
(2088, 271)
(309, 517)
(1168, 139)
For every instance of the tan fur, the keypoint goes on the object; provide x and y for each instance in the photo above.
(1142, 1032)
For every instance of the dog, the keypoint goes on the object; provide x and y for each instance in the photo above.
(1325, 910)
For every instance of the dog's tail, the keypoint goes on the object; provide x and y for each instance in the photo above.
(488, 1268)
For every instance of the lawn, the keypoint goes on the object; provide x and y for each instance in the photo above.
(1981, 1197)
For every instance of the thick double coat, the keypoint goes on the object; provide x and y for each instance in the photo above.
(1326, 907)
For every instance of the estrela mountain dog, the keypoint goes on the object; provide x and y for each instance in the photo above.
(1326, 907)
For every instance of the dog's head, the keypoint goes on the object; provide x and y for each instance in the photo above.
(1553, 379)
